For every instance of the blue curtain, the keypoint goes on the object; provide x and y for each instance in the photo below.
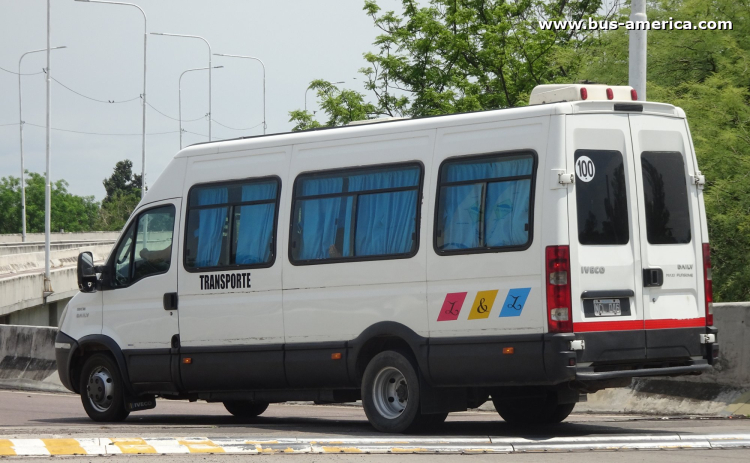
(318, 218)
(254, 224)
(505, 208)
(210, 226)
(385, 221)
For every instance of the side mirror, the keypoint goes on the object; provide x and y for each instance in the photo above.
(86, 272)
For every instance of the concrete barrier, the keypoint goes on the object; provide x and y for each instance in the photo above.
(27, 358)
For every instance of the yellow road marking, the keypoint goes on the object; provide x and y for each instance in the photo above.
(204, 446)
(6, 448)
(64, 447)
(133, 445)
(328, 449)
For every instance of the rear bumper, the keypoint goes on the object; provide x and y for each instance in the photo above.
(611, 355)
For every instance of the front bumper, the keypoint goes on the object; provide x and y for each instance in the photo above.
(65, 347)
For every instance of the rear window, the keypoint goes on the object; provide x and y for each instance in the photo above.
(601, 197)
(665, 192)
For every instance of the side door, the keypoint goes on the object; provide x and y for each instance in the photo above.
(671, 247)
(604, 237)
(140, 288)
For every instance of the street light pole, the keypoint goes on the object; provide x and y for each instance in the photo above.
(20, 124)
(637, 49)
(179, 96)
(209, 70)
(264, 82)
(47, 288)
(143, 98)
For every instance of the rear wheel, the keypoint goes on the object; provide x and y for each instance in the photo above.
(102, 389)
(390, 393)
(532, 411)
(245, 408)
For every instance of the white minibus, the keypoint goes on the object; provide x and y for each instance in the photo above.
(527, 256)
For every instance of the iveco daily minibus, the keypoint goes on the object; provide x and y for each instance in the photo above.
(526, 256)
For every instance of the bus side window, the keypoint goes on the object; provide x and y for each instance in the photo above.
(231, 225)
(484, 203)
(355, 214)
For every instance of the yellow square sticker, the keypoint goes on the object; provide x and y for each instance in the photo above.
(483, 304)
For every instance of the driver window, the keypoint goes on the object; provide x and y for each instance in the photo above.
(153, 242)
(122, 259)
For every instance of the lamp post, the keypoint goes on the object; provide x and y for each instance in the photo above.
(20, 123)
(179, 96)
(264, 82)
(143, 136)
(308, 88)
(209, 70)
(637, 49)
(47, 284)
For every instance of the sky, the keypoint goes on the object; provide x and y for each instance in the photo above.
(298, 40)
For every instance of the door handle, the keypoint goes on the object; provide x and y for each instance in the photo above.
(652, 277)
(170, 301)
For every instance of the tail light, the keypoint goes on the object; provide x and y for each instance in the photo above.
(610, 94)
(559, 314)
(633, 94)
(708, 287)
(584, 93)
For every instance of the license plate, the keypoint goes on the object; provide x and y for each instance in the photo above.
(607, 307)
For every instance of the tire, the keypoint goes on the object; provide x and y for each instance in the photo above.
(102, 389)
(245, 408)
(390, 393)
(532, 411)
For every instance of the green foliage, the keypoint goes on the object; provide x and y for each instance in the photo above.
(456, 56)
(705, 73)
(123, 194)
(69, 212)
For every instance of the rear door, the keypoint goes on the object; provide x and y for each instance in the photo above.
(604, 235)
(669, 219)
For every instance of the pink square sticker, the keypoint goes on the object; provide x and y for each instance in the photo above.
(451, 307)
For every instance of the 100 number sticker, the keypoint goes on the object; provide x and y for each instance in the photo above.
(585, 169)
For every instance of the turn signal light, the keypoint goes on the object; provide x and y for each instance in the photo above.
(336, 356)
(187, 360)
(708, 286)
(508, 350)
(558, 289)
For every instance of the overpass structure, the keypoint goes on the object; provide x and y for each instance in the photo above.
(22, 274)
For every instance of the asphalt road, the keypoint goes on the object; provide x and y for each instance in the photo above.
(25, 415)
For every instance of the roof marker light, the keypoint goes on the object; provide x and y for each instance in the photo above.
(610, 94)
(584, 93)
(633, 94)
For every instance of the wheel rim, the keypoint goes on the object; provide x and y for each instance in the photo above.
(391, 393)
(100, 389)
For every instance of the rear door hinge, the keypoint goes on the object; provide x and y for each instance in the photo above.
(561, 179)
(699, 179)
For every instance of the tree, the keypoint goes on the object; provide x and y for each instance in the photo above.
(457, 56)
(123, 189)
(69, 212)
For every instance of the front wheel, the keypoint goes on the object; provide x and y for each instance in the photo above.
(390, 393)
(102, 389)
(245, 408)
(532, 411)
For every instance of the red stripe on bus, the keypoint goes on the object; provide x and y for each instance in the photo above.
(608, 326)
(628, 325)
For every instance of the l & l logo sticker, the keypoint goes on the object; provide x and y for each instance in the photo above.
(451, 307)
(483, 304)
(513, 305)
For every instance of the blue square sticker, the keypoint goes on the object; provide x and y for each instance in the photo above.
(513, 305)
